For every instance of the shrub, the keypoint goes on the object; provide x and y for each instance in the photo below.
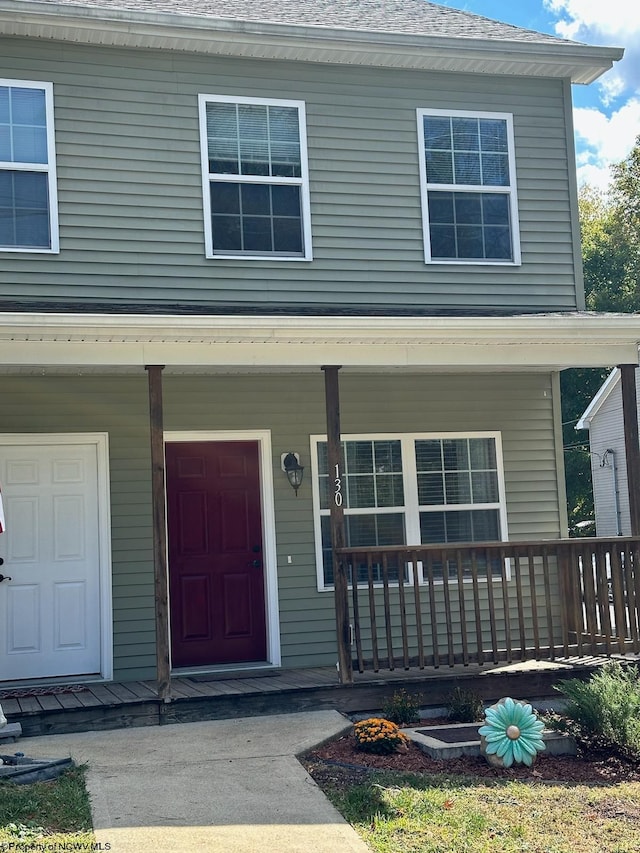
(378, 736)
(605, 711)
(402, 708)
(465, 706)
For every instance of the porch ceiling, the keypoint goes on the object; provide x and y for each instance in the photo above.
(123, 342)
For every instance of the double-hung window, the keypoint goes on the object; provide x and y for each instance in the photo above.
(28, 201)
(255, 178)
(374, 497)
(469, 202)
(410, 489)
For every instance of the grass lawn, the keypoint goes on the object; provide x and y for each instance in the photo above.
(404, 813)
(57, 812)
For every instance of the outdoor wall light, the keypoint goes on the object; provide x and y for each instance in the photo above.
(290, 464)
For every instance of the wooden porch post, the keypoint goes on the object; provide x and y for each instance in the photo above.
(159, 532)
(631, 444)
(334, 457)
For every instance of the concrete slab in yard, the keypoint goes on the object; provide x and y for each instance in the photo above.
(460, 739)
(432, 740)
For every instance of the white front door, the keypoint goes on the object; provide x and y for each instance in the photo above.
(50, 609)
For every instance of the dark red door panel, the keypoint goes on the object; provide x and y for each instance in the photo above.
(216, 576)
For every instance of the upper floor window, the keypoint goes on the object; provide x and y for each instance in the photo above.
(28, 202)
(255, 178)
(469, 202)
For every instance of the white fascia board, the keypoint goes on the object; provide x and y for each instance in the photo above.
(599, 399)
(167, 31)
(525, 343)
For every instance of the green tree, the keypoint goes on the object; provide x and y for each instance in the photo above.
(610, 231)
(603, 255)
(625, 200)
(578, 387)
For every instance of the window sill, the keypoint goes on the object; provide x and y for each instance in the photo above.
(30, 251)
(475, 262)
(273, 258)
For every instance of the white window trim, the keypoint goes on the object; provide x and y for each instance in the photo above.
(410, 482)
(511, 190)
(49, 168)
(302, 181)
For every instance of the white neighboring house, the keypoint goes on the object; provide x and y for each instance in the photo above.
(603, 418)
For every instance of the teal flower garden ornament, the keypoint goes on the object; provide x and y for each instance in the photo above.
(512, 732)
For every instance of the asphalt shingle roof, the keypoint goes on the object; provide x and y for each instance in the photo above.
(398, 17)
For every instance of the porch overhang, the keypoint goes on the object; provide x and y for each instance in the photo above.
(127, 342)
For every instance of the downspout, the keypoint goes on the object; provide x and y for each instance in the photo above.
(616, 492)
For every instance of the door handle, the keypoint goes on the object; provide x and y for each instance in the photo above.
(4, 578)
(256, 564)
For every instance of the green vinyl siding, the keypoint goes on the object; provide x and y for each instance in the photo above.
(292, 408)
(130, 187)
(117, 406)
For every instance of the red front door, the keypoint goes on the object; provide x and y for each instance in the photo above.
(216, 577)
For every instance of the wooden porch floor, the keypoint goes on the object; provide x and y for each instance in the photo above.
(118, 705)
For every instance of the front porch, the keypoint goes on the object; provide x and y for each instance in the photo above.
(489, 383)
(95, 707)
(508, 618)
(442, 605)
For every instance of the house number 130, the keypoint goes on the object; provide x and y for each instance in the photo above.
(338, 483)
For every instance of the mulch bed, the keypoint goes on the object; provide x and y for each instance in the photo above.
(341, 763)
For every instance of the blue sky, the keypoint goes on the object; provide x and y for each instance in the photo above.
(606, 113)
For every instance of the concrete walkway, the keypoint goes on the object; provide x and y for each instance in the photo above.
(224, 786)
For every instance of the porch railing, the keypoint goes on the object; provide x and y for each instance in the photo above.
(435, 605)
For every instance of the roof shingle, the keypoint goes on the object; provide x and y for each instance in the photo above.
(399, 17)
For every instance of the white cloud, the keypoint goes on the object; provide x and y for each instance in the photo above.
(603, 140)
(613, 18)
(614, 22)
(605, 136)
(612, 87)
